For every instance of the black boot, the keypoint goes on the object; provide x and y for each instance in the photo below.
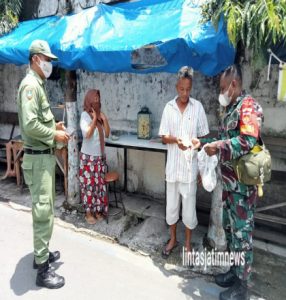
(237, 292)
(226, 279)
(47, 278)
(53, 256)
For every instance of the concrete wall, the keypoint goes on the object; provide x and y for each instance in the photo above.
(10, 78)
(124, 94)
(266, 93)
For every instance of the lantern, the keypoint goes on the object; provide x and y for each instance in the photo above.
(144, 123)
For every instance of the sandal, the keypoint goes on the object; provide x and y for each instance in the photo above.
(90, 220)
(99, 216)
(166, 253)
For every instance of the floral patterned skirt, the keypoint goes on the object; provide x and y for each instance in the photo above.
(93, 188)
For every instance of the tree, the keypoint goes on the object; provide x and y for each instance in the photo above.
(256, 24)
(9, 13)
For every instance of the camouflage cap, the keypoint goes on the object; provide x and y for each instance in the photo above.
(41, 47)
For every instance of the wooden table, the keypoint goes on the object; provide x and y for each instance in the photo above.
(61, 159)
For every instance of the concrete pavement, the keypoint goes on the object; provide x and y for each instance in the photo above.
(142, 230)
(93, 268)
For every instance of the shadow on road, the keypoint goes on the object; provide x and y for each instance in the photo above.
(24, 277)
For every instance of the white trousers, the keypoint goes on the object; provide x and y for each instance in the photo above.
(188, 192)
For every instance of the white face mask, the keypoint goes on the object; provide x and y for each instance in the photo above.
(46, 67)
(224, 99)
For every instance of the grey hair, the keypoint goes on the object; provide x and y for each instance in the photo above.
(186, 72)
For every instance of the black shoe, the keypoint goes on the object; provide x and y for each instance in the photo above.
(53, 256)
(47, 278)
(237, 292)
(226, 279)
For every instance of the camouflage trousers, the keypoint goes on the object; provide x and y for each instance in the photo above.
(238, 223)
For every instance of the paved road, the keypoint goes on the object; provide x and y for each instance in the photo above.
(93, 268)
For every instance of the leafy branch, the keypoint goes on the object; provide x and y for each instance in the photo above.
(255, 23)
(9, 13)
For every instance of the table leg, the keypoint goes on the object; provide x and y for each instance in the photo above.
(165, 178)
(17, 148)
(63, 153)
(10, 155)
(18, 167)
(65, 160)
(125, 170)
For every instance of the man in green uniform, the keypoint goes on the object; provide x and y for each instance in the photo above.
(40, 134)
(238, 134)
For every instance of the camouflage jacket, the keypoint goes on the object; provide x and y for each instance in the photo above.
(238, 133)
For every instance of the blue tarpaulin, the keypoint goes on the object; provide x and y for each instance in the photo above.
(105, 38)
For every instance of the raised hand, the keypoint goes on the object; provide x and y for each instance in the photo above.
(102, 116)
(211, 148)
(93, 115)
(196, 144)
(181, 145)
(60, 126)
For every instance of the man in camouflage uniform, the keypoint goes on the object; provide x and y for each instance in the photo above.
(239, 132)
(40, 133)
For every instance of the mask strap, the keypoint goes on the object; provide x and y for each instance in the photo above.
(230, 97)
(38, 63)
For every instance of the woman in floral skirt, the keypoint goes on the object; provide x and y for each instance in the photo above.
(95, 127)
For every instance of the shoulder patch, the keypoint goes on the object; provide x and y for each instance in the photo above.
(29, 93)
(248, 118)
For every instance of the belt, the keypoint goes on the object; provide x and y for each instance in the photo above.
(46, 151)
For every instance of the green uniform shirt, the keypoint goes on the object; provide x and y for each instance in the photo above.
(37, 123)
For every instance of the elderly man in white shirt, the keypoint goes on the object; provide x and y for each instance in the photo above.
(183, 118)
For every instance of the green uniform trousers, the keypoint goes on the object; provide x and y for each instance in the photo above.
(238, 223)
(39, 174)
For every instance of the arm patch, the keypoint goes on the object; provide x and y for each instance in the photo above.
(29, 92)
(248, 118)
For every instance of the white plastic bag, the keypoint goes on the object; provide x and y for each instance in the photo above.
(189, 153)
(207, 165)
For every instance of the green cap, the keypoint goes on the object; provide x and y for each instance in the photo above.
(41, 47)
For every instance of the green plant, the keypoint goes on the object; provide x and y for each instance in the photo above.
(9, 13)
(256, 24)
